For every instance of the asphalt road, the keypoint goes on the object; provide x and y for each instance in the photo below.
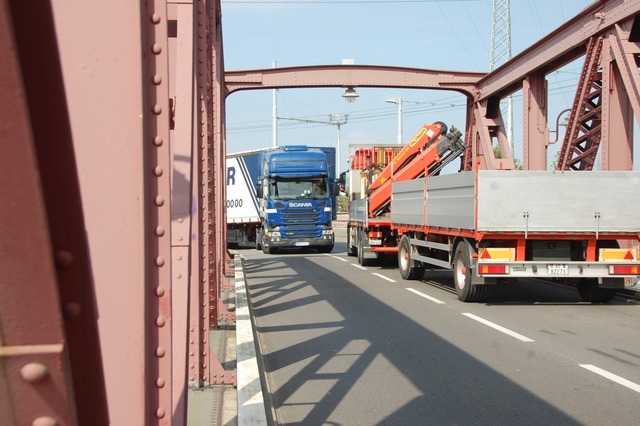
(346, 345)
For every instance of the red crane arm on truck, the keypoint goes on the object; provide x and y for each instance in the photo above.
(431, 146)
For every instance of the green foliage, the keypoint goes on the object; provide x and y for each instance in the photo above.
(342, 203)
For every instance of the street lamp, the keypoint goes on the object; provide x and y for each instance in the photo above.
(399, 102)
(350, 94)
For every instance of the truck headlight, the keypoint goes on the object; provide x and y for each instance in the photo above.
(327, 232)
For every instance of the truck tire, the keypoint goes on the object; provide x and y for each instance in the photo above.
(269, 250)
(350, 250)
(589, 291)
(462, 274)
(258, 239)
(405, 264)
(325, 249)
(359, 248)
(361, 260)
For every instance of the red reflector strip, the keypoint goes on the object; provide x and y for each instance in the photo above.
(375, 234)
(624, 270)
(493, 269)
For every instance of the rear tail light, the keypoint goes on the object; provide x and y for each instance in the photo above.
(375, 234)
(493, 269)
(624, 270)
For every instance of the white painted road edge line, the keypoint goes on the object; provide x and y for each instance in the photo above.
(359, 267)
(433, 299)
(384, 278)
(251, 406)
(619, 380)
(335, 257)
(499, 328)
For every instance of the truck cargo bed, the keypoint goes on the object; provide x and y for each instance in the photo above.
(521, 201)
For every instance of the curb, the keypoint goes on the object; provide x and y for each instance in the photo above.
(251, 407)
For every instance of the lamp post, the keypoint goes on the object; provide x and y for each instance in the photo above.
(399, 102)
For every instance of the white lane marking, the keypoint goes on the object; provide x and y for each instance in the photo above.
(619, 380)
(433, 299)
(498, 327)
(384, 278)
(335, 257)
(359, 266)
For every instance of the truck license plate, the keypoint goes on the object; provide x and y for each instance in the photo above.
(558, 269)
(375, 241)
(301, 244)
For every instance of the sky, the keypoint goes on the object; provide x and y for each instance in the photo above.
(431, 34)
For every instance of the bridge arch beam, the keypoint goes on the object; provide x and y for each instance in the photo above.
(352, 76)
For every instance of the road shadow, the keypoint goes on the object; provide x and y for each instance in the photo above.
(414, 376)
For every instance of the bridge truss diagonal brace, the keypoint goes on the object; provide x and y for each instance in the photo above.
(483, 131)
(579, 147)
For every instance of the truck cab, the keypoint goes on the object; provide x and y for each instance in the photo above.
(296, 198)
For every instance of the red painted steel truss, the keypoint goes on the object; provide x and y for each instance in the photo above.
(118, 235)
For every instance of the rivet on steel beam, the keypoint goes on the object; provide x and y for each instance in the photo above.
(157, 141)
(72, 310)
(155, 18)
(63, 258)
(160, 382)
(157, 171)
(160, 413)
(159, 231)
(156, 109)
(156, 48)
(159, 201)
(178, 276)
(156, 79)
(45, 421)
(180, 238)
(180, 220)
(34, 372)
(159, 291)
(179, 257)
(160, 322)
(160, 352)
(159, 261)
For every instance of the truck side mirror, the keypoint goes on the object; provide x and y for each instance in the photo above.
(259, 190)
(336, 188)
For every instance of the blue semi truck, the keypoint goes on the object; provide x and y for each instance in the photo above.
(282, 197)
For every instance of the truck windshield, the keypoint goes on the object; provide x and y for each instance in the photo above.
(297, 188)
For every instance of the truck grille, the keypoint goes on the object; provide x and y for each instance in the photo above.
(301, 223)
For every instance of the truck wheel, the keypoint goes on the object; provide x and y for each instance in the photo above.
(462, 273)
(589, 291)
(361, 259)
(350, 250)
(325, 249)
(359, 248)
(269, 250)
(407, 271)
(258, 239)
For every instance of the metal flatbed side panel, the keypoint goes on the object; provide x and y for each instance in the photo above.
(358, 210)
(547, 201)
(449, 201)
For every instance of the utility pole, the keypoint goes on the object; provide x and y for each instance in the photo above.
(334, 120)
(501, 50)
(274, 138)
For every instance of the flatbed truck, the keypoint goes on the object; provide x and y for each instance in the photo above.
(491, 226)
